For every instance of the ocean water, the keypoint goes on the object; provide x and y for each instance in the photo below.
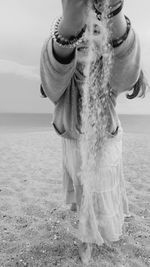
(43, 122)
(25, 122)
(135, 123)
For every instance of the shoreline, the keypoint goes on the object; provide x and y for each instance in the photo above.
(19, 123)
(49, 130)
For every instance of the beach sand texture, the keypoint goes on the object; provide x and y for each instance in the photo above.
(33, 216)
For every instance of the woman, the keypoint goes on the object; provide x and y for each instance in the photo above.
(62, 63)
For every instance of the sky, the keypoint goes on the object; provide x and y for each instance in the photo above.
(24, 25)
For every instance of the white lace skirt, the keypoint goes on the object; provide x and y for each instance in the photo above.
(103, 202)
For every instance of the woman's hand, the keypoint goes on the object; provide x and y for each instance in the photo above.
(74, 16)
(99, 3)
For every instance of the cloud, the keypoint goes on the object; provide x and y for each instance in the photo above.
(26, 71)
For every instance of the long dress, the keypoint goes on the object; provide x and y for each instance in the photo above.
(104, 202)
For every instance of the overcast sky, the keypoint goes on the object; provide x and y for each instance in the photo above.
(24, 25)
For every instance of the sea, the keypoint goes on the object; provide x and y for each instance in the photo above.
(16, 122)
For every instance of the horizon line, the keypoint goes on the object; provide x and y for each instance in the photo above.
(51, 113)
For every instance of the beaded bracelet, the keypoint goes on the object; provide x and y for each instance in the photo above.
(118, 41)
(72, 42)
(117, 8)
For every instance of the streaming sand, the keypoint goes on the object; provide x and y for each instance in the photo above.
(32, 213)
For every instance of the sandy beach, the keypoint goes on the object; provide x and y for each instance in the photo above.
(33, 215)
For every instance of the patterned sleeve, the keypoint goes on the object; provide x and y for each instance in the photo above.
(55, 76)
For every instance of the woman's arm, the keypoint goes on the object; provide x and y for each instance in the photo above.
(58, 63)
(126, 66)
(73, 20)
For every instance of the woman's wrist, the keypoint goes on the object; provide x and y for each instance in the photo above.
(118, 25)
(65, 39)
(68, 29)
(66, 35)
